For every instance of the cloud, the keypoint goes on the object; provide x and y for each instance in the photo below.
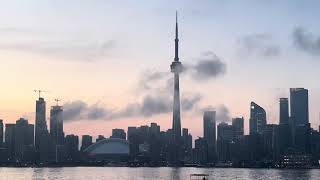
(78, 110)
(190, 102)
(259, 45)
(156, 94)
(57, 47)
(306, 42)
(97, 112)
(14, 30)
(151, 77)
(149, 106)
(208, 66)
(155, 105)
(223, 113)
(63, 50)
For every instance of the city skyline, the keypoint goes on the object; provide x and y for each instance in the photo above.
(80, 69)
(289, 143)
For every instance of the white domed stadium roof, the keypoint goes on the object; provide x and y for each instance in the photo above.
(109, 146)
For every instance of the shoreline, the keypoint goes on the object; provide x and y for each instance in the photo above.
(198, 167)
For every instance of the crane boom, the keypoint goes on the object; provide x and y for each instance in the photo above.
(39, 91)
(57, 100)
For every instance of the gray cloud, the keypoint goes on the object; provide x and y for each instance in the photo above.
(51, 45)
(150, 77)
(223, 113)
(259, 45)
(156, 89)
(149, 106)
(306, 41)
(73, 110)
(95, 112)
(155, 105)
(208, 66)
(78, 110)
(190, 102)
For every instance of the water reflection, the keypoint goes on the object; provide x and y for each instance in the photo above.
(295, 174)
(175, 173)
(38, 173)
(163, 173)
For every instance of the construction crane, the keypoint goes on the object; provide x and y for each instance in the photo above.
(57, 100)
(39, 91)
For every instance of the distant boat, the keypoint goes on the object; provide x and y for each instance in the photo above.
(199, 176)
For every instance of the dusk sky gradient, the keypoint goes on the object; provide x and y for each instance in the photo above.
(97, 54)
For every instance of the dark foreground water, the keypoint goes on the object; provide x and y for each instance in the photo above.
(123, 173)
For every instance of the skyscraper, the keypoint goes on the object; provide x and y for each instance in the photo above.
(267, 139)
(86, 142)
(282, 132)
(225, 136)
(284, 111)
(41, 131)
(200, 154)
(186, 143)
(1, 132)
(41, 124)
(24, 137)
(209, 132)
(118, 133)
(154, 129)
(258, 118)
(299, 106)
(176, 69)
(133, 140)
(72, 148)
(299, 119)
(10, 139)
(131, 130)
(238, 127)
(56, 125)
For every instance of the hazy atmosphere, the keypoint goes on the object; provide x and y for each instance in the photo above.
(109, 61)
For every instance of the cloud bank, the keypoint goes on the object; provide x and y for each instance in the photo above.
(149, 106)
(53, 46)
(155, 93)
(306, 41)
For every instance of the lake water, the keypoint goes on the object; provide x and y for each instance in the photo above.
(124, 173)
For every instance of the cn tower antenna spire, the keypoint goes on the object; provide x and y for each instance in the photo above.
(177, 25)
(176, 57)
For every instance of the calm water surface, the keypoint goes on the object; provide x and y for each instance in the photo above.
(123, 173)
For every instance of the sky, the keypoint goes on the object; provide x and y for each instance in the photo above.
(108, 61)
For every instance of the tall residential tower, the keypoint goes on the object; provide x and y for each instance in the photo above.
(258, 118)
(41, 131)
(56, 125)
(284, 111)
(299, 106)
(209, 133)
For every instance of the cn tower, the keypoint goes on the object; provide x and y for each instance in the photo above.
(176, 69)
